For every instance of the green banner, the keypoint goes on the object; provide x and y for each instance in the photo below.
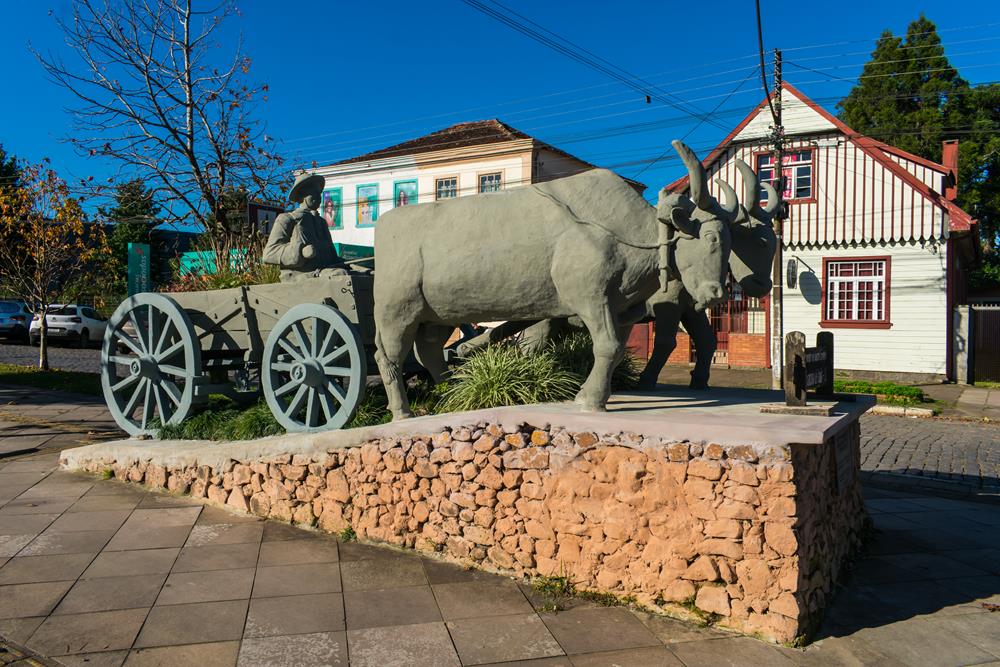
(138, 268)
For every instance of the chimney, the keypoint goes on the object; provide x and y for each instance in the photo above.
(949, 158)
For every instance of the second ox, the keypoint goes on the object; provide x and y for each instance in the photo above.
(587, 246)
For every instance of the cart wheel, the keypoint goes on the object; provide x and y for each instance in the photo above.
(313, 369)
(149, 363)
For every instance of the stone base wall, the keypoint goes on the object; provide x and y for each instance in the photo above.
(754, 536)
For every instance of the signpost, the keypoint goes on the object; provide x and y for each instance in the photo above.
(138, 269)
(808, 367)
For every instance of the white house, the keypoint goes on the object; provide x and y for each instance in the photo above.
(467, 158)
(874, 246)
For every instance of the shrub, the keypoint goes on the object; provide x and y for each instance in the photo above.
(505, 375)
(575, 353)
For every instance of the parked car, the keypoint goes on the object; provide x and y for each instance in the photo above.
(14, 320)
(70, 322)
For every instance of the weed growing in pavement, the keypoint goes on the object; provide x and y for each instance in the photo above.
(347, 534)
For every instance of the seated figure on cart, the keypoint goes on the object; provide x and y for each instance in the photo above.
(299, 241)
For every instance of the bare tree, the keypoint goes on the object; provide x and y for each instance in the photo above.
(164, 93)
(45, 243)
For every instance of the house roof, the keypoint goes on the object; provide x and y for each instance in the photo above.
(958, 219)
(460, 135)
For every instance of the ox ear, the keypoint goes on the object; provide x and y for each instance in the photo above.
(679, 219)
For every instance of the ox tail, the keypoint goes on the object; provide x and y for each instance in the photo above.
(388, 368)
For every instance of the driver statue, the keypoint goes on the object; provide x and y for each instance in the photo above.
(299, 241)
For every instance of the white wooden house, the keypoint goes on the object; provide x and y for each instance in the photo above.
(874, 245)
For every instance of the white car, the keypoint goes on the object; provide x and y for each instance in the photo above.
(70, 322)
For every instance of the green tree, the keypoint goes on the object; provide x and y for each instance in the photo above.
(910, 96)
(133, 216)
(10, 171)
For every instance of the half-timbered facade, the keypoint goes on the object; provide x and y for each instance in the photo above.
(874, 245)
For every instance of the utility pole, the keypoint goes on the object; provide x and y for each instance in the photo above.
(777, 277)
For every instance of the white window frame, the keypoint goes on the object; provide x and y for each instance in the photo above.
(497, 182)
(438, 184)
(797, 164)
(835, 284)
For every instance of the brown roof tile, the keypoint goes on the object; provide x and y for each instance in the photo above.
(474, 133)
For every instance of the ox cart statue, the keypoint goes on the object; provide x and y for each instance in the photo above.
(305, 343)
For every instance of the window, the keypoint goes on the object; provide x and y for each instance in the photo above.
(446, 188)
(856, 293)
(404, 193)
(332, 206)
(797, 172)
(490, 182)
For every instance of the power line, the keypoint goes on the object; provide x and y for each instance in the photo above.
(582, 55)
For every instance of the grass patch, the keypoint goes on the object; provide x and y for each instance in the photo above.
(987, 385)
(347, 535)
(55, 380)
(888, 393)
(222, 419)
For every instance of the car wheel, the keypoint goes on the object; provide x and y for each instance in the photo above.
(84, 339)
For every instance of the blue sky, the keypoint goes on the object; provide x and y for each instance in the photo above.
(348, 77)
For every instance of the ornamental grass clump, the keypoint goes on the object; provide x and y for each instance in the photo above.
(575, 353)
(505, 375)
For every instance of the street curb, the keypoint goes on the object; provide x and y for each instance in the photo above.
(900, 411)
(929, 485)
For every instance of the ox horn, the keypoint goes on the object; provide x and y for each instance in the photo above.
(697, 179)
(751, 186)
(772, 199)
(732, 204)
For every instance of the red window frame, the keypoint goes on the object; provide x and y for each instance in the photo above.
(812, 198)
(882, 323)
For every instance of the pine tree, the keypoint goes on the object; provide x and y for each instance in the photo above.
(910, 96)
(10, 172)
(133, 217)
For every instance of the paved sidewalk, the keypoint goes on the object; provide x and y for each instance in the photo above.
(95, 572)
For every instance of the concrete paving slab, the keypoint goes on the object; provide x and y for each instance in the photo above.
(290, 552)
(393, 606)
(730, 652)
(28, 600)
(361, 575)
(480, 598)
(282, 580)
(212, 586)
(37, 569)
(216, 557)
(216, 654)
(101, 659)
(125, 563)
(421, 645)
(319, 649)
(131, 592)
(199, 623)
(295, 614)
(586, 630)
(654, 656)
(51, 543)
(148, 536)
(89, 521)
(502, 639)
(926, 643)
(22, 524)
(218, 534)
(79, 633)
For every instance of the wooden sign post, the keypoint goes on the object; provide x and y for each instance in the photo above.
(808, 368)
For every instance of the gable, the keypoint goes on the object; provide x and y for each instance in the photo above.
(797, 117)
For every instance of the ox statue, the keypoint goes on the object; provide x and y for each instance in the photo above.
(750, 263)
(587, 246)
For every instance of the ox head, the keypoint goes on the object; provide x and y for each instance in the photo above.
(701, 226)
(754, 240)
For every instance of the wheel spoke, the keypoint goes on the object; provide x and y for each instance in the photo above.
(138, 332)
(342, 371)
(336, 354)
(170, 369)
(147, 404)
(171, 390)
(151, 324)
(127, 382)
(310, 408)
(129, 343)
(338, 393)
(167, 326)
(130, 406)
(287, 387)
(282, 366)
(290, 349)
(162, 406)
(300, 333)
(330, 332)
(315, 338)
(328, 408)
(296, 404)
(118, 359)
(170, 351)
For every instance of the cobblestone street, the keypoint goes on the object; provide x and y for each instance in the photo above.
(60, 356)
(964, 456)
